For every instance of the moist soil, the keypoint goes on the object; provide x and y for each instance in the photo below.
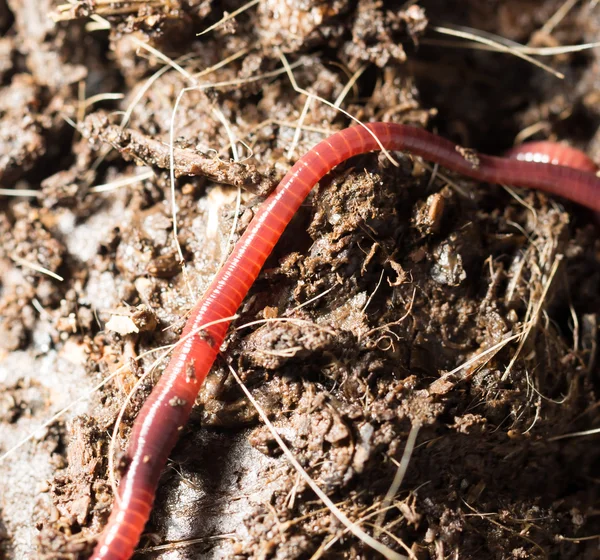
(392, 305)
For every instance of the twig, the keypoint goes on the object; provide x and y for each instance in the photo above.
(135, 145)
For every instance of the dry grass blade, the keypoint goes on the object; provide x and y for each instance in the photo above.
(78, 9)
(98, 23)
(489, 353)
(325, 546)
(164, 58)
(258, 77)
(142, 91)
(349, 85)
(227, 16)
(102, 97)
(293, 321)
(297, 88)
(399, 476)
(309, 301)
(234, 224)
(411, 554)
(172, 176)
(558, 16)
(583, 433)
(533, 319)
(222, 63)
(523, 49)
(501, 48)
(529, 131)
(298, 130)
(20, 192)
(372, 295)
(523, 203)
(577, 539)
(489, 517)
(37, 267)
(136, 99)
(340, 516)
(124, 182)
(436, 173)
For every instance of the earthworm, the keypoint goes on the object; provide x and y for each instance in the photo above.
(166, 411)
(554, 153)
(544, 151)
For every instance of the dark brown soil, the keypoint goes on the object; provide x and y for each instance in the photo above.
(389, 280)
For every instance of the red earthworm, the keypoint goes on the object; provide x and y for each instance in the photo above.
(545, 151)
(166, 411)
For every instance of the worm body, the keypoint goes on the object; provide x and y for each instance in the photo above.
(553, 153)
(166, 411)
